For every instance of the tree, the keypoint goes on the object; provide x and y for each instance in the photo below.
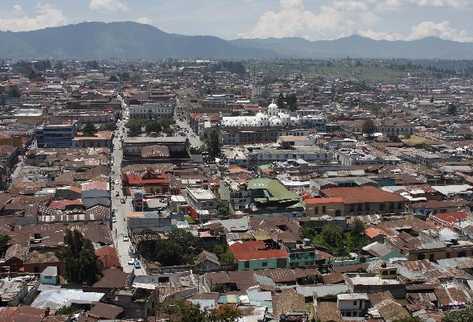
(465, 315)
(134, 126)
(223, 209)
(225, 313)
(332, 235)
(89, 129)
(409, 319)
(291, 101)
(452, 109)
(183, 311)
(368, 127)
(13, 92)
(4, 240)
(281, 103)
(79, 258)
(214, 145)
(153, 126)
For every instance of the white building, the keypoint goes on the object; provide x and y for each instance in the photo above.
(153, 111)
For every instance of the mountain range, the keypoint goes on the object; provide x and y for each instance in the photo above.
(130, 40)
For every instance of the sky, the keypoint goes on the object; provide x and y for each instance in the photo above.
(230, 19)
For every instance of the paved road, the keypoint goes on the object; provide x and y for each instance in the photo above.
(182, 122)
(120, 209)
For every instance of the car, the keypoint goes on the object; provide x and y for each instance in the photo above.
(117, 194)
(131, 261)
(126, 239)
(114, 220)
(122, 201)
(137, 264)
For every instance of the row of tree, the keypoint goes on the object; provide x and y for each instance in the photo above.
(180, 248)
(135, 126)
(183, 311)
(335, 240)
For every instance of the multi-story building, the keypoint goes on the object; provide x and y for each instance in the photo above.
(256, 254)
(153, 110)
(56, 135)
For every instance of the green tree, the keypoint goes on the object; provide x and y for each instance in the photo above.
(134, 127)
(79, 259)
(465, 315)
(291, 101)
(223, 209)
(13, 92)
(153, 126)
(281, 102)
(4, 240)
(89, 129)
(214, 145)
(368, 127)
(183, 311)
(225, 313)
(452, 109)
(67, 310)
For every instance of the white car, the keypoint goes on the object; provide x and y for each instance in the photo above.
(131, 261)
(126, 239)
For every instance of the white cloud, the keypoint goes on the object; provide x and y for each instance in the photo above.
(292, 19)
(145, 20)
(109, 5)
(424, 29)
(44, 16)
(442, 30)
(347, 17)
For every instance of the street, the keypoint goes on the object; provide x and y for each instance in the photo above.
(120, 209)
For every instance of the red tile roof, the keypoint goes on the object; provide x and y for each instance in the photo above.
(323, 201)
(451, 217)
(62, 204)
(365, 194)
(108, 256)
(136, 180)
(254, 250)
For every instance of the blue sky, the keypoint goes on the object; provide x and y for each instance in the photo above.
(311, 19)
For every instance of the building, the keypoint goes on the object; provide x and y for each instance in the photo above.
(363, 200)
(256, 254)
(56, 135)
(271, 197)
(102, 139)
(238, 195)
(353, 306)
(148, 221)
(49, 276)
(163, 110)
(177, 146)
(307, 153)
(199, 198)
(318, 207)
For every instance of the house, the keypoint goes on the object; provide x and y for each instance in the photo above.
(257, 254)
(207, 262)
(151, 181)
(366, 200)
(353, 305)
(49, 276)
(318, 207)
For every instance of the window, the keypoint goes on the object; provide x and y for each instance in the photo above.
(264, 264)
(247, 264)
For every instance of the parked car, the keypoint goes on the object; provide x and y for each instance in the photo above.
(131, 261)
(137, 264)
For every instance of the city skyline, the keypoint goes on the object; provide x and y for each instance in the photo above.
(310, 19)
